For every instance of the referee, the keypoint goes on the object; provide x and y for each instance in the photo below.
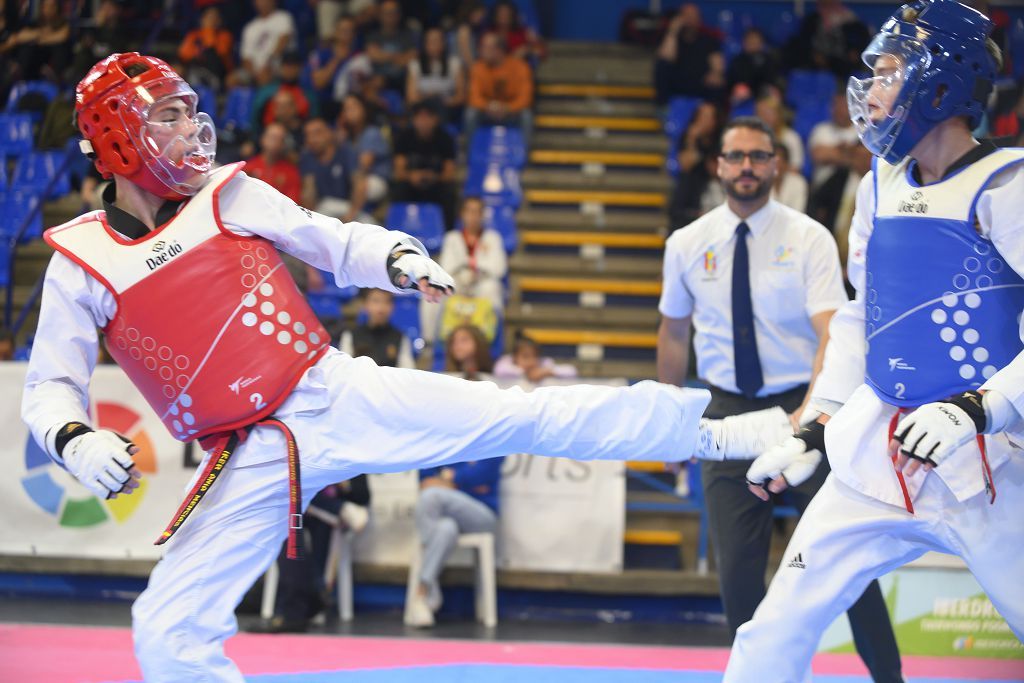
(759, 283)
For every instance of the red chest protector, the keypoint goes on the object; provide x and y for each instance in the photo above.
(209, 325)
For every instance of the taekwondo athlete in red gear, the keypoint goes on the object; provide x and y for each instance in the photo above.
(923, 375)
(180, 272)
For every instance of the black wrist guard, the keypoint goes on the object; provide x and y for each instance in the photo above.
(971, 403)
(814, 436)
(68, 432)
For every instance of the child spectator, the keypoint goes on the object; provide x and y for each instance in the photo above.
(525, 362)
(468, 352)
(377, 338)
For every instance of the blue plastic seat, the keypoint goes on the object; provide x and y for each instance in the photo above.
(207, 99)
(237, 112)
(497, 145)
(423, 221)
(35, 170)
(678, 116)
(15, 207)
(406, 316)
(497, 185)
(806, 85)
(502, 219)
(44, 89)
(15, 134)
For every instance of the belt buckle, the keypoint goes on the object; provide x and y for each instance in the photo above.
(295, 521)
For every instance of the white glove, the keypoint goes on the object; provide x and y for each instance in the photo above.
(788, 463)
(410, 268)
(932, 433)
(101, 461)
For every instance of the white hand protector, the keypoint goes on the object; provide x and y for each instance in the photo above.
(416, 267)
(99, 460)
(743, 436)
(936, 430)
(791, 459)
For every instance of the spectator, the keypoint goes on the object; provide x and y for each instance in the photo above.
(6, 344)
(337, 69)
(470, 24)
(456, 499)
(500, 89)
(475, 256)
(753, 68)
(377, 338)
(273, 166)
(392, 46)
(697, 159)
(467, 352)
(830, 37)
(41, 48)
(790, 187)
(286, 113)
(265, 39)
(329, 12)
(832, 142)
(370, 152)
(207, 51)
(769, 108)
(832, 202)
(105, 34)
(286, 79)
(690, 60)
(330, 183)
(525, 362)
(520, 41)
(436, 75)
(302, 592)
(425, 162)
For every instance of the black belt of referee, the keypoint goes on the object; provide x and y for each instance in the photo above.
(223, 447)
(725, 403)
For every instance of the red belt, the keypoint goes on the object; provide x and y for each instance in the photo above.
(223, 448)
(986, 471)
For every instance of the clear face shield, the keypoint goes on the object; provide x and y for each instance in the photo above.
(179, 145)
(880, 104)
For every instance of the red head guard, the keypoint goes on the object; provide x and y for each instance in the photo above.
(139, 117)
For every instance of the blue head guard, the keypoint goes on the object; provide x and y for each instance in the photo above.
(930, 63)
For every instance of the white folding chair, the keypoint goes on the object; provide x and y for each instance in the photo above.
(338, 570)
(485, 578)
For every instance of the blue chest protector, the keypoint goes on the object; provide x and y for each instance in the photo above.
(942, 304)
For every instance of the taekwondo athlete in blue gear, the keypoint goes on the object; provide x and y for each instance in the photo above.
(926, 359)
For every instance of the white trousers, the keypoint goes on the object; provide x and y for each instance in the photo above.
(351, 416)
(845, 539)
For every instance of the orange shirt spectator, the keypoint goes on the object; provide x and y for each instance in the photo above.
(272, 165)
(209, 36)
(508, 81)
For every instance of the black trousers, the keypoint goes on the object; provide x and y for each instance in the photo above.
(740, 526)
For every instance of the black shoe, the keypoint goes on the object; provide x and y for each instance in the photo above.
(279, 624)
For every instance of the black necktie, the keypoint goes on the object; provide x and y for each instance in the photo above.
(748, 364)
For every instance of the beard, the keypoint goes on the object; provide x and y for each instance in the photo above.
(759, 190)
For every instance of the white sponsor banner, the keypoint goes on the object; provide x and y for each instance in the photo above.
(556, 514)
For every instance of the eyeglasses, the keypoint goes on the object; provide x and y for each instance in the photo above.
(758, 156)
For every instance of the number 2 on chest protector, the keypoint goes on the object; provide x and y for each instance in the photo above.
(257, 400)
(901, 389)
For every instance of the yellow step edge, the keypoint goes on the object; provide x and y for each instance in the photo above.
(652, 537)
(606, 122)
(646, 199)
(580, 285)
(640, 92)
(647, 340)
(605, 239)
(569, 156)
(651, 466)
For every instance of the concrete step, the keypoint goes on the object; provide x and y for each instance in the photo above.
(596, 198)
(609, 317)
(596, 178)
(593, 157)
(582, 89)
(601, 70)
(557, 49)
(603, 368)
(592, 337)
(600, 140)
(599, 123)
(588, 285)
(31, 262)
(565, 219)
(589, 241)
(595, 106)
(606, 266)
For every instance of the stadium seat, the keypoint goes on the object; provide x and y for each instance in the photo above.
(35, 170)
(502, 219)
(423, 221)
(497, 145)
(31, 98)
(207, 99)
(485, 576)
(16, 206)
(406, 318)
(237, 112)
(497, 185)
(326, 301)
(15, 134)
(5, 260)
(806, 85)
(677, 118)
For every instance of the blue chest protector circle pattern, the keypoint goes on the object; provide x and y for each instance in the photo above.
(942, 308)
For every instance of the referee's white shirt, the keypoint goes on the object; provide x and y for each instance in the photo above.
(794, 274)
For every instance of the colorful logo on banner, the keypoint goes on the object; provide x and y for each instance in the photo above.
(71, 504)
